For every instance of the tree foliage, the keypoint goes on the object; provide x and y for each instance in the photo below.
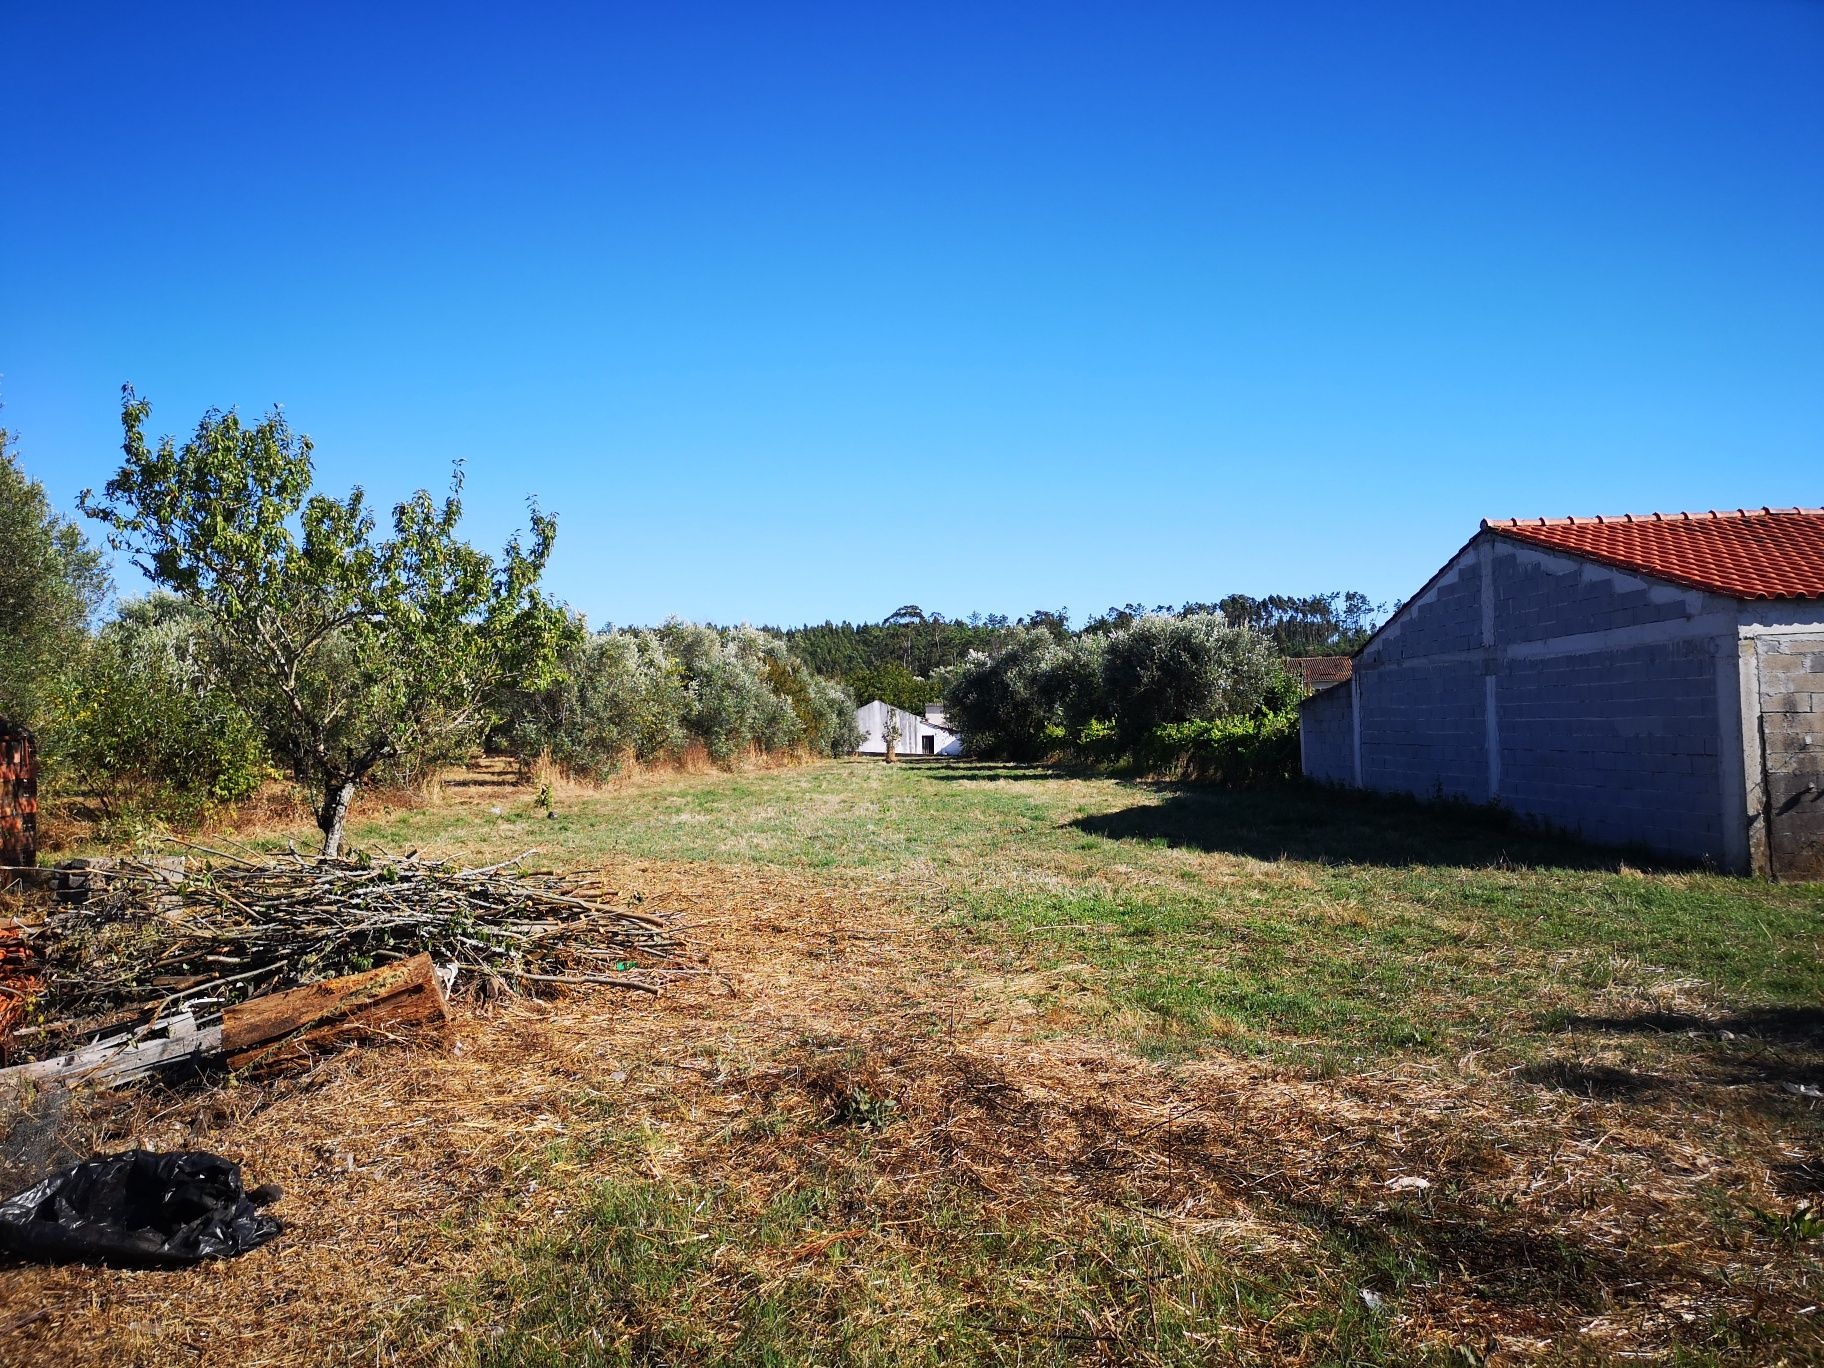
(921, 643)
(649, 693)
(1003, 704)
(1313, 625)
(349, 650)
(1107, 692)
(1163, 670)
(892, 683)
(1297, 625)
(51, 583)
(902, 658)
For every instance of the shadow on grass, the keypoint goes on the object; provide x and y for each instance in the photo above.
(1512, 1266)
(1801, 1026)
(1005, 771)
(1327, 826)
(1600, 1082)
(1782, 1046)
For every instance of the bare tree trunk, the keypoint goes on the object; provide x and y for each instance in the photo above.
(333, 815)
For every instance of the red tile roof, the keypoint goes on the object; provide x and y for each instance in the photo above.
(1750, 553)
(1319, 671)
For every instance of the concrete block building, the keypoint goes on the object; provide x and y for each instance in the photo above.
(1647, 681)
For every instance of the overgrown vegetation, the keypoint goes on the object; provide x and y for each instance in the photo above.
(1187, 695)
(908, 657)
(288, 635)
(1298, 625)
(345, 650)
(144, 725)
(650, 694)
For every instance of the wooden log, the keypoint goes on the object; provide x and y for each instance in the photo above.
(402, 999)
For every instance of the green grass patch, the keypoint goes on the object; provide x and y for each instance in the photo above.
(678, 1272)
(1300, 922)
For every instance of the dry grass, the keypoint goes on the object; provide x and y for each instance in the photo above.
(862, 1139)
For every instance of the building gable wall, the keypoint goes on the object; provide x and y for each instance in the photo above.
(871, 719)
(1594, 700)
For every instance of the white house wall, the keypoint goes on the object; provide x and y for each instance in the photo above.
(871, 719)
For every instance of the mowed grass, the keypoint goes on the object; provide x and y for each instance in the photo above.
(1300, 1078)
(642, 1276)
(1301, 923)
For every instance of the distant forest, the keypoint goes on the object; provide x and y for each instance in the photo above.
(900, 658)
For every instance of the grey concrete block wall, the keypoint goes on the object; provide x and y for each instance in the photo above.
(1420, 692)
(1326, 735)
(1445, 620)
(1619, 746)
(1423, 730)
(1539, 597)
(1595, 701)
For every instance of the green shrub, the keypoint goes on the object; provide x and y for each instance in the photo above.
(1004, 706)
(1163, 670)
(51, 580)
(617, 695)
(1239, 752)
(144, 727)
(1161, 693)
(1099, 742)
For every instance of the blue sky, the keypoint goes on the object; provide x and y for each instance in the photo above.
(794, 312)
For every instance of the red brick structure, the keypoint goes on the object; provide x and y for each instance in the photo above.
(18, 797)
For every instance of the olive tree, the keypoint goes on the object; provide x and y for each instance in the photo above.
(1003, 705)
(349, 650)
(1162, 670)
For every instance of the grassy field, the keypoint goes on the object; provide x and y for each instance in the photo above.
(1000, 1065)
(1305, 925)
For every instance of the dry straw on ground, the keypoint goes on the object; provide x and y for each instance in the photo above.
(1552, 1219)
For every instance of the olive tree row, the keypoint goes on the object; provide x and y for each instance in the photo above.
(1154, 672)
(649, 693)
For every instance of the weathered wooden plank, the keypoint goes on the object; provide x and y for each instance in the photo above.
(279, 1029)
(290, 1026)
(125, 1058)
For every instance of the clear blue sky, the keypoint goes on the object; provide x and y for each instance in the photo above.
(796, 312)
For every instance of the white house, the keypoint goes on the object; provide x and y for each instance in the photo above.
(917, 735)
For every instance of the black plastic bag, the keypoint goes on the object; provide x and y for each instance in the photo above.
(138, 1207)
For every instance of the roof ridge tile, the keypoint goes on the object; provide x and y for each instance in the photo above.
(1762, 553)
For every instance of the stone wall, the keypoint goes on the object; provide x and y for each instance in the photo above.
(1790, 674)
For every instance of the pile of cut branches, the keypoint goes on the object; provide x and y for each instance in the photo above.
(148, 937)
